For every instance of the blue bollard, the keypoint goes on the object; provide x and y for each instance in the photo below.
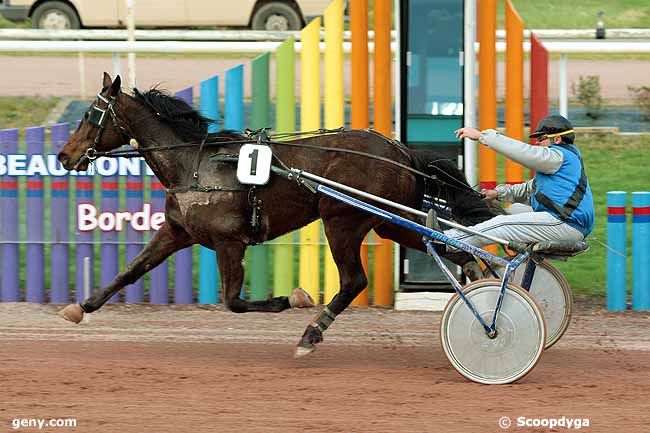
(616, 239)
(641, 250)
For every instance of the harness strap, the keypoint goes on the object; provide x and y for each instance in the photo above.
(565, 212)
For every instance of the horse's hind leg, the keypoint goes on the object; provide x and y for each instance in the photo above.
(164, 243)
(345, 234)
(229, 259)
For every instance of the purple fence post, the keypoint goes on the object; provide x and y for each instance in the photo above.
(134, 200)
(35, 262)
(60, 221)
(109, 235)
(85, 195)
(159, 289)
(9, 278)
(183, 287)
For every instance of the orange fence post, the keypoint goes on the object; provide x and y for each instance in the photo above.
(487, 90)
(514, 87)
(360, 97)
(383, 266)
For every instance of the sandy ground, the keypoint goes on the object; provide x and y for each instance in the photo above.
(192, 369)
(59, 76)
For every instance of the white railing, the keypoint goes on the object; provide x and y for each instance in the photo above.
(561, 47)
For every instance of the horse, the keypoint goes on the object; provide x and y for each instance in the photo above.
(206, 205)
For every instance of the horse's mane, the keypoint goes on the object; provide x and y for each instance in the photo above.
(188, 123)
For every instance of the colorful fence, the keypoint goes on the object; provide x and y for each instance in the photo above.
(617, 254)
(44, 243)
(514, 86)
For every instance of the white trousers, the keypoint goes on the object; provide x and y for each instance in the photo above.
(525, 227)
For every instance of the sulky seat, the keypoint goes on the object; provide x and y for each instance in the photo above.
(560, 249)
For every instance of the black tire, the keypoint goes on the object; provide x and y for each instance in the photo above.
(61, 13)
(276, 16)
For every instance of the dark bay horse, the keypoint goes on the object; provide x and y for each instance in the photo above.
(170, 136)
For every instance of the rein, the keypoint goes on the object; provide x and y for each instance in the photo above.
(128, 153)
(97, 117)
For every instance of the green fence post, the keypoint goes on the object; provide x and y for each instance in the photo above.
(259, 255)
(285, 121)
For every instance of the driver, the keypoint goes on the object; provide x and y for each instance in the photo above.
(559, 194)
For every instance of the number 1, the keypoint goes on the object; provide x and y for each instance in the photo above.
(253, 157)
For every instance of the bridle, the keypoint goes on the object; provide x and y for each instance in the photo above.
(97, 118)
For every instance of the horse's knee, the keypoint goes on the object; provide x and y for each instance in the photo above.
(236, 305)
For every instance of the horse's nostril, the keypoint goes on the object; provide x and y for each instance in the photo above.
(63, 158)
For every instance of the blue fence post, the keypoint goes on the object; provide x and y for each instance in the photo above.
(35, 262)
(641, 250)
(183, 286)
(85, 196)
(233, 117)
(109, 236)
(9, 231)
(208, 270)
(616, 239)
(159, 287)
(134, 202)
(60, 220)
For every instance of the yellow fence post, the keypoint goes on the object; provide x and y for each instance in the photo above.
(309, 272)
(334, 115)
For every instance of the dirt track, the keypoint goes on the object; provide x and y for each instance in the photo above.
(188, 369)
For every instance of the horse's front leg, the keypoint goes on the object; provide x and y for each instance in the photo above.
(229, 259)
(165, 242)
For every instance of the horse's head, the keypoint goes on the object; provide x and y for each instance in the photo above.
(99, 130)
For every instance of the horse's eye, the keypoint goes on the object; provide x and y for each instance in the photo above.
(86, 115)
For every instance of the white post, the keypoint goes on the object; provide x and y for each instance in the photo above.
(116, 65)
(82, 74)
(397, 86)
(130, 26)
(469, 91)
(564, 93)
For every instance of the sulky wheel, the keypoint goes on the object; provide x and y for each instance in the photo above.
(516, 348)
(553, 294)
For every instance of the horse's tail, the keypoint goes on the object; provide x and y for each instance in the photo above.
(466, 204)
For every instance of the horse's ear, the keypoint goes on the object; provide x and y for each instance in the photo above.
(107, 80)
(115, 87)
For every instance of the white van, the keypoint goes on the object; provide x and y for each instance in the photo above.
(254, 14)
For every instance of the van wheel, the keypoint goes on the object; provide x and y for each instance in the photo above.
(276, 16)
(55, 15)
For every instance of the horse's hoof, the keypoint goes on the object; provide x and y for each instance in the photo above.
(300, 299)
(303, 351)
(72, 313)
